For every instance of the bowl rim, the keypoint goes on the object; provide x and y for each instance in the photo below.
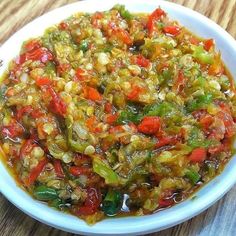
(129, 225)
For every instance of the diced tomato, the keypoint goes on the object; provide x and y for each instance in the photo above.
(111, 118)
(149, 125)
(92, 94)
(80, 74)
(63, 26)
(57, 105)
(155, 16)
(172, 30)
(35, 172)
(208, 44)
(135, 92)
(142, 61)
(58, 168)
(42, 81)
(108, 107)
(77, 171)
(198, 155)
(91, 203)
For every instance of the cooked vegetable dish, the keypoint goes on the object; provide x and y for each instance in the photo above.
(112, 114)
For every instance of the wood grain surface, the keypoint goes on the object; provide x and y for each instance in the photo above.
(218, 220)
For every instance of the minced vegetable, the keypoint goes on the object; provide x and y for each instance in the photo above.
(114, 113)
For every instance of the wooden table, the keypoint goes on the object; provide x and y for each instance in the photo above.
(218, 220)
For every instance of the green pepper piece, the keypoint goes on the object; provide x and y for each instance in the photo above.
(129, 115)
(199, 103)
(3, 89)
(84, 45)
(108, 48)
(105, 171)
(202, 56)
(162, 109)
(112, 203)
(123, 12)
(44, 193)
(57, 203)
(193, 176)
(76, 145)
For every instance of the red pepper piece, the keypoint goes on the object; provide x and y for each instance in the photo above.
(92, 124)
(27, 147)
(121, 34)
(206, 121)
(58, 168)
(166, 141)
(92, 94)
(57, 105)
(135, 92)
(43, 81)
(149, 125)
(38, 54)
(198, 155)
(80, 74)
(36, 113)
(116, 129)
(62, 68)
(165, 202)
(108, 107)
(180, 82)
(13, 130)
(111, 118)
(77, 171)
(94, 19)
(171, 30)
(22, 111)
(35, 172)
(208, 44)
(156, 15)
(142, 61)
(32, 44)
(63, 25)
(91, 203)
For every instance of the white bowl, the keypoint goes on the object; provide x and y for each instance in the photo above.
(207, 195)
